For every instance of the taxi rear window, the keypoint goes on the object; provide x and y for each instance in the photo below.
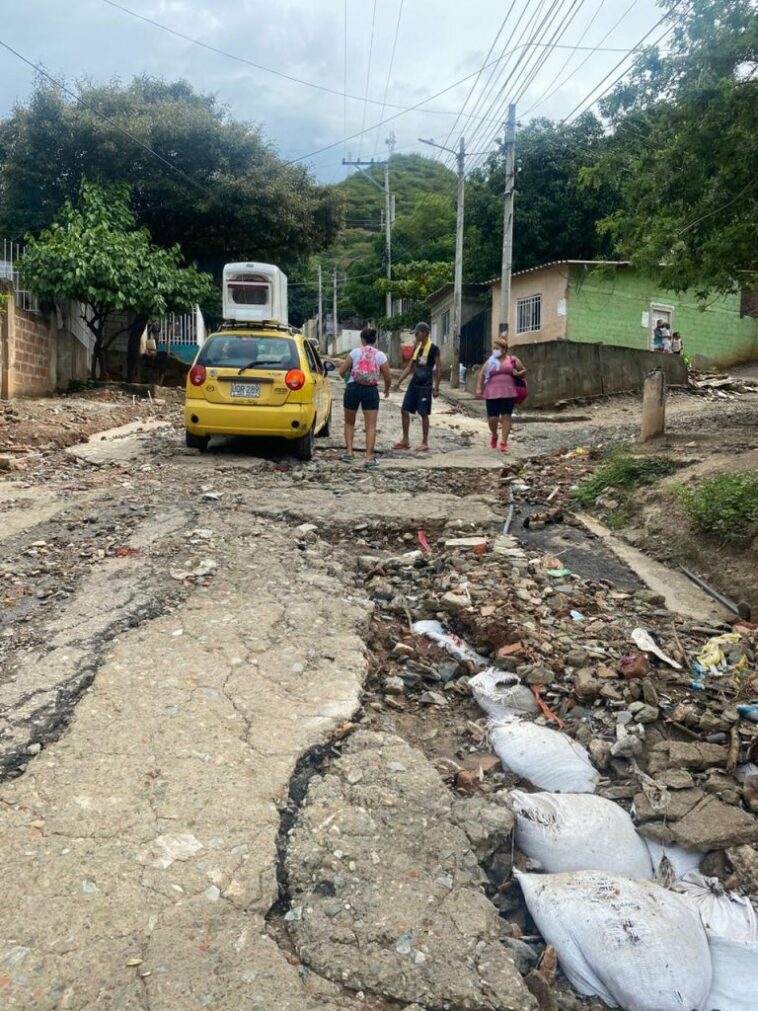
(229, 352)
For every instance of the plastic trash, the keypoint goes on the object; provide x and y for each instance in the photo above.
(712, 657)
(579, 832)
(748, 712)
(644, 641)
(547, 758)
(735, 975)
(680, 860)
(502, 695)
(455, 646)
(723, 913)
(576, 615)
(631, 943)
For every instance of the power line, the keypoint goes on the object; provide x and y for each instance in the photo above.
(389, 72)
(621, 62)
(481, 71)
(85, 105)
(543, 96)
(368, 72)
(344, 72)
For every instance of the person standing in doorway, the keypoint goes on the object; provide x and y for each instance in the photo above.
(660, 330)
(363, 368)
(676, 343)
(425, 369)
(497, 384)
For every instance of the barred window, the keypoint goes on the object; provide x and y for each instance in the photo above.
(445, 326)
(529, 314)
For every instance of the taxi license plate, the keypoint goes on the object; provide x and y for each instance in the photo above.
(251, 390)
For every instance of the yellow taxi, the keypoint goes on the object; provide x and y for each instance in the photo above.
(258, 380)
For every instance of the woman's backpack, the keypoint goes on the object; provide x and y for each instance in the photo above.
(365, 371)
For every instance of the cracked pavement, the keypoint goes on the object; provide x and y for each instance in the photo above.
(151, 721)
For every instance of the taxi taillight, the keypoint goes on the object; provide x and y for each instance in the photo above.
(295, 379)
(197, 375)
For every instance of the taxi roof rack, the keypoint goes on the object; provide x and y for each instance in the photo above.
(230, 324)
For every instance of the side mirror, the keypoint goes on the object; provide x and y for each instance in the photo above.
(329, 366)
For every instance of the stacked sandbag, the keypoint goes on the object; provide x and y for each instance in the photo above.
(578, 832)
(735, 975)
(723, 913)
(632, 943)
(547, 758)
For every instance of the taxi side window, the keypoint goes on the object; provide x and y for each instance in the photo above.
(319, 363)
(310, 355)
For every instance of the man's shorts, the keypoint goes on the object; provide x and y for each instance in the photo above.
(357, 395)
(418, 400)
(498, 406)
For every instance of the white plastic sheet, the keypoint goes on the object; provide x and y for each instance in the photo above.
(723, 913)
(735, 976)
(578, 832)
(502, 695)
(682, 861)
(547, 758)
(452, 643)
(631, 943)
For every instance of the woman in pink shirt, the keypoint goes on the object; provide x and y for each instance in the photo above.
(497, 384)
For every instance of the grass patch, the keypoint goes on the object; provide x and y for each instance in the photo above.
(623, 473)
(725, 506)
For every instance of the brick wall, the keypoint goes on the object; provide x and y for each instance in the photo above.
(620, 309)
(27, 353)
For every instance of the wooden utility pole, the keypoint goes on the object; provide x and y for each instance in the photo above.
(510, 185)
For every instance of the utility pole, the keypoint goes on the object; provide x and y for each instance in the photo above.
(510, 185)
(334, 307)
(460, 154)
(387, 211)
(320, 330)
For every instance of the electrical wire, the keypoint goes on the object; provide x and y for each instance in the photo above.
(344, 78)
(389, 72)
(106, 119)
(621, 62)
(543, 96)
(368, 75)
(481, 71)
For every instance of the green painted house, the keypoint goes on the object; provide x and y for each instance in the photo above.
(612, 303)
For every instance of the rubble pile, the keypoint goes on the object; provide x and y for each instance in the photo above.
(718, 386)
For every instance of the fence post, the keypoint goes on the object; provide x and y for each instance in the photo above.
(653, 406)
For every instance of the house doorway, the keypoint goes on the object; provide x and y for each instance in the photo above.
(659, 311)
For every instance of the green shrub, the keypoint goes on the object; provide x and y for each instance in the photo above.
(725, 506)
(624, 472)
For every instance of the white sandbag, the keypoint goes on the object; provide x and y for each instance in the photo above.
(631, 943)
(682, 861)
(452, 643)
(735, 976)
(579, 832)
(547, 758)
(502, 695)
(723, 913)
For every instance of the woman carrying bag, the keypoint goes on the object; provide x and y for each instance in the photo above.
(502, 384)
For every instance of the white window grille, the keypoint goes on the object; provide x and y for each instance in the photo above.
(12, 253)
(529, 314)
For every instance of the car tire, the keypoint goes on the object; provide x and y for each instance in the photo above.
(199, 442)
(304, 446)
(326, 427)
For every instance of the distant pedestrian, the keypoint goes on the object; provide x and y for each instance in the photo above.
(363, 368)
(497, 384)
(676, 343)
(425, 369)
(667, 340)
(660, 329)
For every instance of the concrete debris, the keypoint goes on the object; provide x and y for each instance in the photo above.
(391, 887)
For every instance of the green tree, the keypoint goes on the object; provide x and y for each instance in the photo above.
(414, 282)
(95, 254)
(555, 216)
(236, 198)
(685, 150)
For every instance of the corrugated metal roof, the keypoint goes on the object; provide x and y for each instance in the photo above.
(558, 263)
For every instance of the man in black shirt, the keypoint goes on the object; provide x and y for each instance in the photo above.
(425, 369)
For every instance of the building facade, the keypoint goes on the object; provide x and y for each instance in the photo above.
(612, 303)
(474, 301)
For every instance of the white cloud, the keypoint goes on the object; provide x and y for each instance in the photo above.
(439, 42)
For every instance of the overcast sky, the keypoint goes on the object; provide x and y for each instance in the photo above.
(438, 43)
